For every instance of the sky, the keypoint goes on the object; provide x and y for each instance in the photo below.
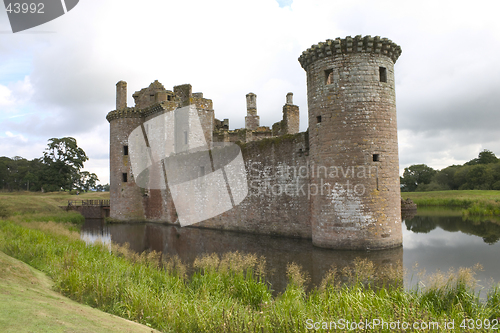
(58, 79)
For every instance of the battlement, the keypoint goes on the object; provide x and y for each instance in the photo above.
(358, 44)
(133, 112)
(154, 99)
(124, 113)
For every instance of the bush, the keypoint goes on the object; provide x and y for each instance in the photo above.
(496, 186)
(432, 186)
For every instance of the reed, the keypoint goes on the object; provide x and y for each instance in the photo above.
(473, 202)
(228, 293)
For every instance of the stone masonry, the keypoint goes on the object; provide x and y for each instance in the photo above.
(337, 183)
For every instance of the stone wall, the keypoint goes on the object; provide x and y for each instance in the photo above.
(278, 201)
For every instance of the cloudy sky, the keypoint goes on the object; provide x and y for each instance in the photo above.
(58, 79)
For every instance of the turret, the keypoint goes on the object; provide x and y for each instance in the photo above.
(354, 165)
(125, 196)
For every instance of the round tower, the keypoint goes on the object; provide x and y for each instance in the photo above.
(354, 164)
(125, 196)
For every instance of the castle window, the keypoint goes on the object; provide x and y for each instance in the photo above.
(376, 157)
(318, 119)
(329, 76)
(169, 98)
(125, 150)
(383, 74)
(124, 177)
(185, 137)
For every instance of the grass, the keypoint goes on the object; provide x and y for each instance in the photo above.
(224, 294)
(473, 202)
(33, 206)
(228, 293)
(28, 304)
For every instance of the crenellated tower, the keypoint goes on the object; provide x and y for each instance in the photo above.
(125, 195)
(129, 202)
(354, 165)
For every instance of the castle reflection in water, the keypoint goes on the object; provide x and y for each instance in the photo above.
(189, 243)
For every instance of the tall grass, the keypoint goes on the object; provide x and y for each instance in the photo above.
(473, 202)
(443, 202)
(228, 293)
(483, 209)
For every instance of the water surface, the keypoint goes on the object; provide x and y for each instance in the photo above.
(436, 239)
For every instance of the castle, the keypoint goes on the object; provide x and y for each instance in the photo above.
(337, 183)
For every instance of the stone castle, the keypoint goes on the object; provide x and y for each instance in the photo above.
(337, 183)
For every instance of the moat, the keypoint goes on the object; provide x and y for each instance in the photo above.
(436, 239)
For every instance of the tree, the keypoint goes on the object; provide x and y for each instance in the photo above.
(86, 181)
(63, 160)
(416, 175)
(485, 157)
(446, 177)
(477, 178)
(4, 172)
(102, 188)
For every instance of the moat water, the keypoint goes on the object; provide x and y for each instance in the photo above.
(435, 239)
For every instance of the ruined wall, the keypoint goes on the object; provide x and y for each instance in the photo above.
(243, 135)
(353, 143)
(278, 199)
(154, 93)
(206, 115)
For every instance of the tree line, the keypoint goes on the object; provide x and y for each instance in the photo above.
(481, 173)
(58, 169)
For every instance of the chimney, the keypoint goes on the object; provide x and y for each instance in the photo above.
(121, 95)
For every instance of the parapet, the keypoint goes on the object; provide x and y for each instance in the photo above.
(124, 113)
(348, 45)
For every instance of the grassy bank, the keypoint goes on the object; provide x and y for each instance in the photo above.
(34, 206)
(228, 294)
(28, 304)
(474, 202)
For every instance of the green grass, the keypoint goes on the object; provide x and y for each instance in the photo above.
(228, 293)
(34, 206)
(28, 304)
(225, 294)
(474, 202)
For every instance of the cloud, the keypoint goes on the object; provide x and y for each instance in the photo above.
(5, 96)
(14, 97)
(63, 83)
(18, 145)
